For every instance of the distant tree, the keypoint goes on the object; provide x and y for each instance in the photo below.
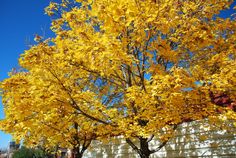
(24, 152)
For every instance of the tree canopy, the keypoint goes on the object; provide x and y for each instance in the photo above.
(131, 68)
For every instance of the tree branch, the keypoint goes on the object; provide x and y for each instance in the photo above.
(133, 145)
(163, 143)
(74, 104)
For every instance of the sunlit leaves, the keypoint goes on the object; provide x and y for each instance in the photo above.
(123, 67)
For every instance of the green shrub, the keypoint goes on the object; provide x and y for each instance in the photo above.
(24, 152)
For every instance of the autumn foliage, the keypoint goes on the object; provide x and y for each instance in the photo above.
(131, 68)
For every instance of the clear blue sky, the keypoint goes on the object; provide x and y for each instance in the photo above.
(19, 21)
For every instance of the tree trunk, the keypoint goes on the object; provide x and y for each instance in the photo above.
(144, 155)
(143, 151)
(78, 155)
(144, 148)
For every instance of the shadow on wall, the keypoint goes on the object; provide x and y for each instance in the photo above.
(192, 140)
(197, 140)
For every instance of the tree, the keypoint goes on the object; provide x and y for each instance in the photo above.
(135, 68)
(24, 152)
(38, 123)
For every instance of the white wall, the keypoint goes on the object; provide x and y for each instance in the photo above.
(191, 140)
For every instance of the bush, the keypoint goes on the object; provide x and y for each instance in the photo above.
(24, 152)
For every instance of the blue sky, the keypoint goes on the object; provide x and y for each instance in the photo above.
(19, 21)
